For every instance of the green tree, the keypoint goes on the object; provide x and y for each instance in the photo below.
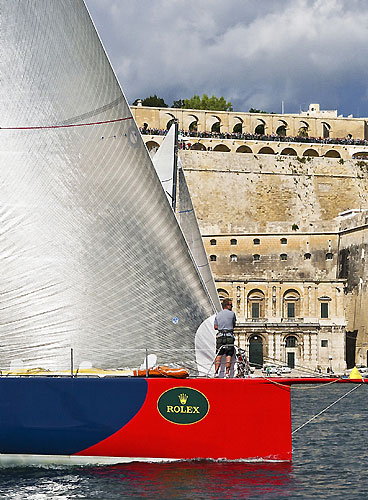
(212, 103)
(152, 101)
(179, 103)
(254, 110)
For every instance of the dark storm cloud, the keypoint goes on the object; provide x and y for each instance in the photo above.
(255, 53)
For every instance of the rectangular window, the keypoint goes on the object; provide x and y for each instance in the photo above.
(255, 310)
(324, 343)
(324, 309)
(291, 310)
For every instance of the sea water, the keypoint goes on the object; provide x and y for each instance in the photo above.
(329, 461)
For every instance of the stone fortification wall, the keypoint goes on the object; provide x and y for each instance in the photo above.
(353, 266)
(274, 256)
(234, 194)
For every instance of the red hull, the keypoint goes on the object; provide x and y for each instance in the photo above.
(246, 419)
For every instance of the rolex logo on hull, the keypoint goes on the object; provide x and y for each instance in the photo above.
(183, 405)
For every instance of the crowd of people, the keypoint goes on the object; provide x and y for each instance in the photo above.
(258, 137)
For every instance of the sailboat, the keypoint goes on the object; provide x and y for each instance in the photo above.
(99, 272)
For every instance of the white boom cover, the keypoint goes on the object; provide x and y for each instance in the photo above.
(92, 257)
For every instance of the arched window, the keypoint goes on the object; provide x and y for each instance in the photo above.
(256, 241)
(329, 256)
(326, 129)
(303, 131)
(310, 152)
(213, 258)
(281, 130)
(260, 129)
(266, 151)
(169, 123)
(193, 126)
(223, 294)
(288, 152)
(291, 341)
(332, 154)
(216, 127)
(363, 155)
(243, 149)
(238, 128)
(233, 258)
(307, 256)
(233, 242)
(283, 256)
(213, 242)
(152, 146)
(291, 306)
(256, 256)
(198, 147)
(222, 148)
(283, 241)
(256, 304)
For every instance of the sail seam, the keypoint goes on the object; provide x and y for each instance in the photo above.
(40, 127)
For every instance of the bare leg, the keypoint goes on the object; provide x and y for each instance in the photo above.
(218, 362)
(228, 365)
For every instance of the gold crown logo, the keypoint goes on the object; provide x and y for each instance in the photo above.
(183, 398)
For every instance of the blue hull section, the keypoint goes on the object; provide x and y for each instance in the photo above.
(64, 415)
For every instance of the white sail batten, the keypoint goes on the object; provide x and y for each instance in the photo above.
(92, 258)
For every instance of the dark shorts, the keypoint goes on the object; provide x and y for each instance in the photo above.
(225, 345)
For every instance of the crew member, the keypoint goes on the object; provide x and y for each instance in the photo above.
(224, 324)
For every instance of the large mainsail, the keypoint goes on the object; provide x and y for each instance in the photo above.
(92, 258)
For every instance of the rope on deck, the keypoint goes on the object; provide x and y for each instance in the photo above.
(325, 409)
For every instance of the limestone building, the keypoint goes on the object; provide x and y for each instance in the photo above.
(286, 236)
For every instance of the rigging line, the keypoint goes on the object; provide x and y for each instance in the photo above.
(308, 388)
(40, 127)
(329, 406)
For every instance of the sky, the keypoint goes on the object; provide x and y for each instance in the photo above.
(255, 53)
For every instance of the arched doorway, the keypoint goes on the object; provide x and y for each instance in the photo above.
(291, 347)
(281, 130)
(256, 351)
(260, 129)
(326, 130)
(238, 128)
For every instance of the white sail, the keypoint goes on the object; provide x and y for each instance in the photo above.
(164, 162)
(91, 254)
(189, 225)
(164, 165)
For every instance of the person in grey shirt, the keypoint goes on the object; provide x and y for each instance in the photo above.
(225, 322)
